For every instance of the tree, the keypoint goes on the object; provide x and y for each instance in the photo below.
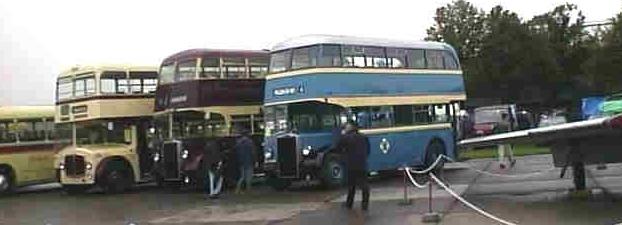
(461, 25)
(562, 28)
(603, 67)
(515, 66)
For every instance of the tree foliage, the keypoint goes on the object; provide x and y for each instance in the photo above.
(547, 60)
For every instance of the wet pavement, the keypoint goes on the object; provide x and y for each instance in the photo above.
(541, 198)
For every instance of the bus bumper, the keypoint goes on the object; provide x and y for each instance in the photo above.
(77, 180)
(307, 169)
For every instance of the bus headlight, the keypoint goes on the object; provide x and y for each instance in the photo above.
(184, 154)
(307, 151)
(268, 154)
(156, 157)
(89, 166)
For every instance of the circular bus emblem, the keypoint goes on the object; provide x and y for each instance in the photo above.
(385, 146)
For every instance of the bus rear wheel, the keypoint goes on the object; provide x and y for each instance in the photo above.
(435, 149)
(6, 181)
(333, 171)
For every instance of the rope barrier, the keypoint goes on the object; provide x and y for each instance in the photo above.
(412, 180)
(408, 171)
(431, 167)
(525, 175)
(468, 204)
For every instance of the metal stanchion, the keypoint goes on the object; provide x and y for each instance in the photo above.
(430, 216)
(406, 200)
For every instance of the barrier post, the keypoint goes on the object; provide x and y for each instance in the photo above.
(406, 200)
(430, 216)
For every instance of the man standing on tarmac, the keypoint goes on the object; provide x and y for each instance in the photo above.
(245, 152)
(355, 147)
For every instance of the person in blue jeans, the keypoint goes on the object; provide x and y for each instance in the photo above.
(213, 162)
(245, 151)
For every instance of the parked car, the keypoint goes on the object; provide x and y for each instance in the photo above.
(490, 119)
(553, 118)
(612, 105)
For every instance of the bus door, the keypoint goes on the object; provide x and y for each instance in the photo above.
(143, 138)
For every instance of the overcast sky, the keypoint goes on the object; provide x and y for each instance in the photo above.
(38, 39)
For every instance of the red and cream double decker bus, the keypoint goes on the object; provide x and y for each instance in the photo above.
(207, 96)
(108, 111)
(27, 146)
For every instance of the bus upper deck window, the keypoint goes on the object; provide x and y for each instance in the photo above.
(149, 85)
(167, 73)
(234, 68)
(113, 82)
(396, 58)
(330, 56)
(434, 59)
(280, 61)
(450, 62)
(305, 57)
(363, 56)
(415, 58)
(186, 70)
(258, 66)
(211, 68)
(65, 88)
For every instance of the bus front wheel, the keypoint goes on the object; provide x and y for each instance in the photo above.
(6, 181)
(333, 171)
(116, 179)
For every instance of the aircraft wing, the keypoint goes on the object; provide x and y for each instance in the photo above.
(548, 134)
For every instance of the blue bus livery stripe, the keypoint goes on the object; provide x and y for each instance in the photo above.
(305, 71)
(326, 85)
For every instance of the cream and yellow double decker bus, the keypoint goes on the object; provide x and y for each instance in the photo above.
(107, 110)
(27, 146)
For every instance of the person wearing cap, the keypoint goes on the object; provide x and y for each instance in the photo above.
(355, 148)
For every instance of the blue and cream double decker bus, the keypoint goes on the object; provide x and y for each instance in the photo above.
(404, 95)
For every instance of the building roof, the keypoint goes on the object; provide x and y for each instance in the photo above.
(26, 112)
(314, 39)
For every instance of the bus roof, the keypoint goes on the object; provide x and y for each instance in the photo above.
(25, 112)
(307, 40)
(203, 52)
(78, 69)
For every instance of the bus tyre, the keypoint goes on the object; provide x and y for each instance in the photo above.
(278, 184)
(333, 171)
(435, 149)
(116, 179)
(6, 181)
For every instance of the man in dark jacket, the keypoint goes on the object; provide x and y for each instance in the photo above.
(355, 147)
(244, 151)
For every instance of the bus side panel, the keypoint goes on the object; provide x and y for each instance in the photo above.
(405, 148)
(321, 85)
(30, 163)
